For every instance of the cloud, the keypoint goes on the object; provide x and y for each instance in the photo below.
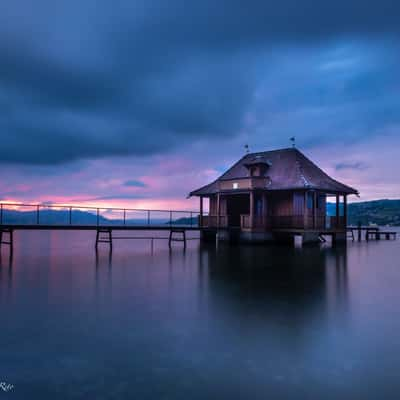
(145, 78)
(135, 183)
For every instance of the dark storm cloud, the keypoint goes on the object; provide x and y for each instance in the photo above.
(96, 78)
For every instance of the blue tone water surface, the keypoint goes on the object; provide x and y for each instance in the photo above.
(237, 322)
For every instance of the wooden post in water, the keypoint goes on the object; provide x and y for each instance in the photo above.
(337, 211)
(201, 212)
(251, 208)
(359, 231)
(314, 209)
(218, 205)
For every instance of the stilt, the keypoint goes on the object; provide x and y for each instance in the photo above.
(173, 238)
(350, 234)
(106, 238)
(10, 241)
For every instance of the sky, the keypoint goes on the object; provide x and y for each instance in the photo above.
(137, 103)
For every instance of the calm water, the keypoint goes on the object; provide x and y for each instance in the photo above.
(232, 323)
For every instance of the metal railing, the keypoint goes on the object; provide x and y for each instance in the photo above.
(60, 214)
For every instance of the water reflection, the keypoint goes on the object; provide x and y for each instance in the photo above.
(6, 268)
(276, 280)
(233, 322)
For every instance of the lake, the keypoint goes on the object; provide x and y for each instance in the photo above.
(236, 322)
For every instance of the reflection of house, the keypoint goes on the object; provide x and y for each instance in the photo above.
(274, 191)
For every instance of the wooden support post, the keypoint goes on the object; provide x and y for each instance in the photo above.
(218, 208)
(181, 238)
(264, 209)
(314, 210)
(337, 211)
(104, 239)
(10, 241)
(251, 209)
(345, 211)
(201, 212)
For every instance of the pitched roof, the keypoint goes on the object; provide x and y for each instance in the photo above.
(289, 169)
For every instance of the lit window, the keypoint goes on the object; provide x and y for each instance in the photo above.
(236, 185)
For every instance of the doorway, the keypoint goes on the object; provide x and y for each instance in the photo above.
(236, 205)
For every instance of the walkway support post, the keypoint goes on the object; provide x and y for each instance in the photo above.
(218, 207)
(201, 212)
(173, 238)
(251, 209)
(314, 209)
(10, 241)
(103, 235)
(337, 211)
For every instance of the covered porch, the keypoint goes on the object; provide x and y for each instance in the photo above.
(262, 210)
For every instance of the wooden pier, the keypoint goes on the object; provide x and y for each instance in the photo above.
(175, 224)
(104, 221)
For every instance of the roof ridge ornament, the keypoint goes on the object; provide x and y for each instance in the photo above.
(293, 140)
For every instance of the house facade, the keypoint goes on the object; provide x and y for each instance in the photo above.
(274, 192)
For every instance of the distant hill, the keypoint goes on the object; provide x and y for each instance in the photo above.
(380, 212)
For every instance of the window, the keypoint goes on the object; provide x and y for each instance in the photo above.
(235, 185)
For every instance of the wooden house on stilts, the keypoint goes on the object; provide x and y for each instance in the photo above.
(274, 195)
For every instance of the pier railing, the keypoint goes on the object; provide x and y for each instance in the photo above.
(54, 214)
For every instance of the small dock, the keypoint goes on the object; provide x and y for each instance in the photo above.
(369, 232)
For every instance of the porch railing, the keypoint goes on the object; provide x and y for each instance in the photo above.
(259, 222)
(276, 222)
(335, 222)
(214, 221)
(292, 222)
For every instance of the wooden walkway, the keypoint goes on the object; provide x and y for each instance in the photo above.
(104, 233)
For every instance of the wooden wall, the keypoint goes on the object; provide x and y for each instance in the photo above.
(280, 204)
(222, 205)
